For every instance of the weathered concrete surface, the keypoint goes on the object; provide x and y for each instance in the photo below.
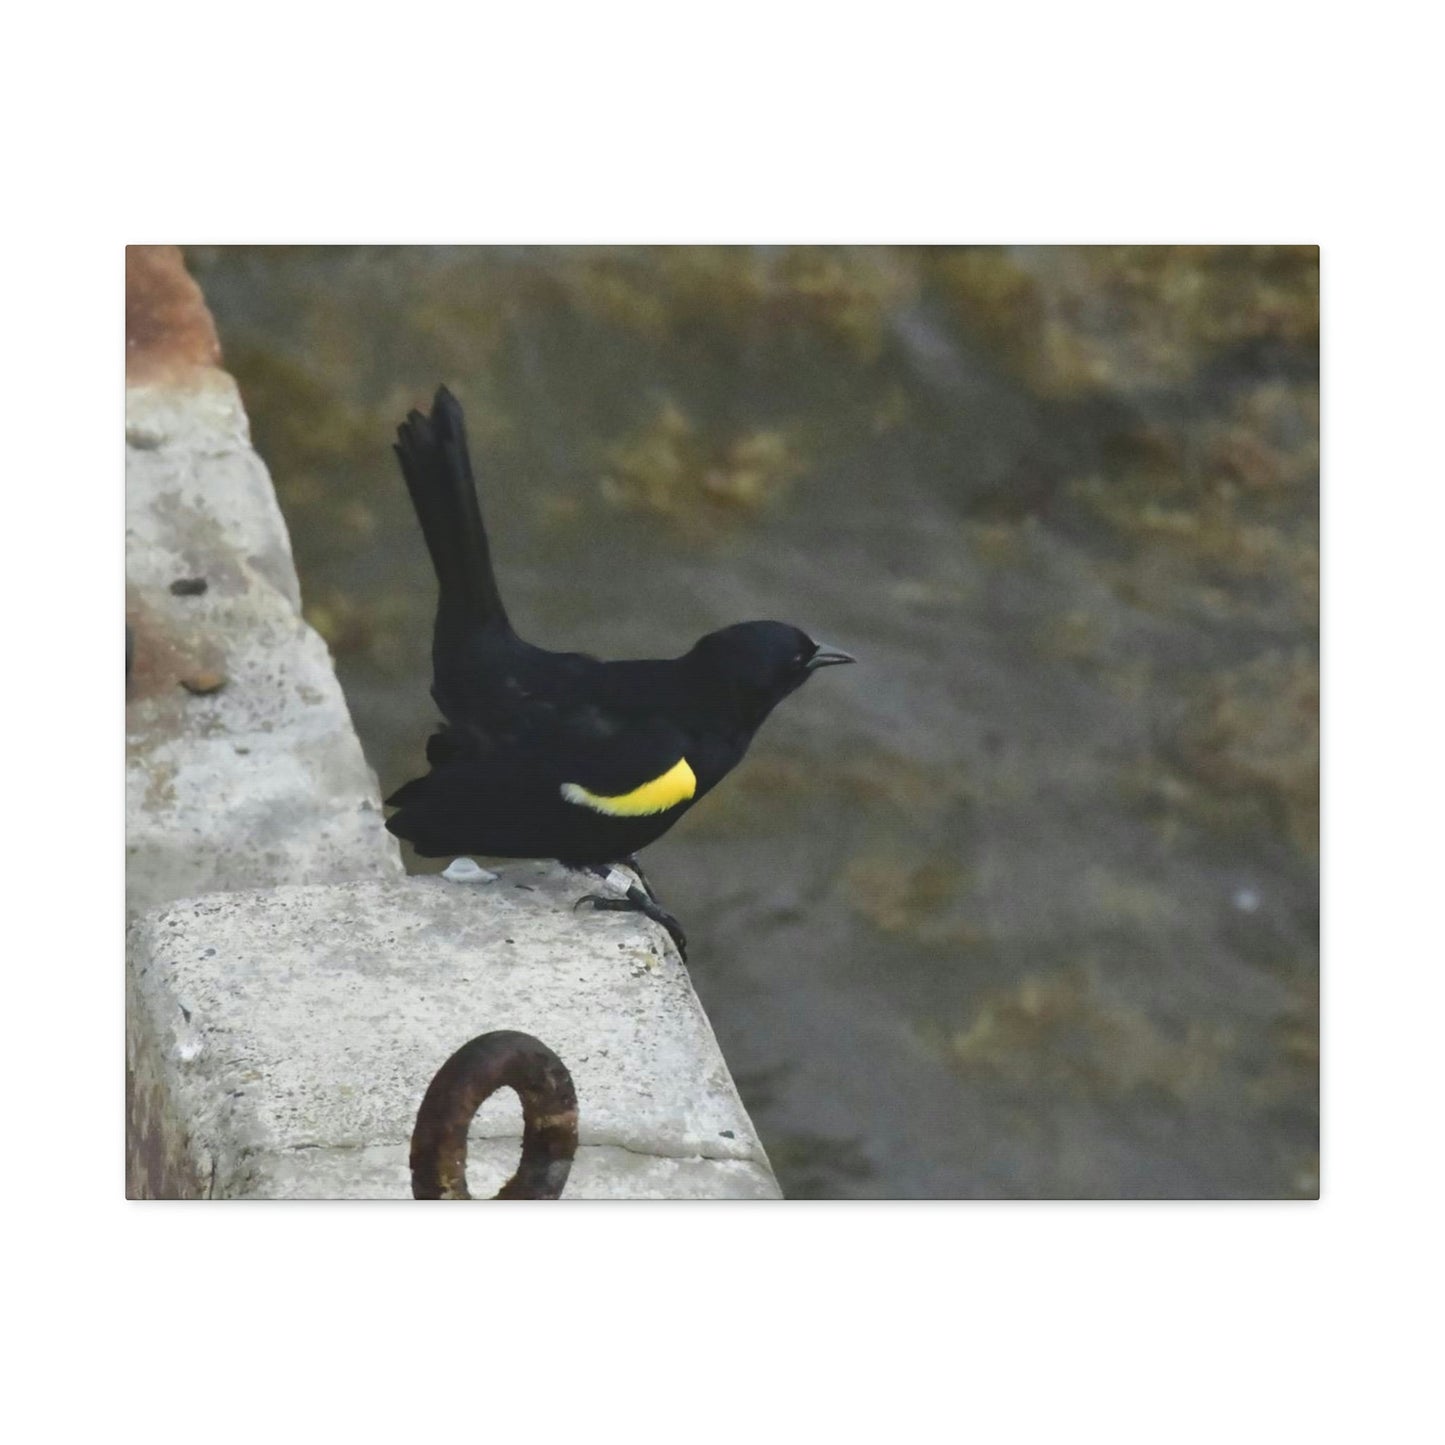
(281, 1040)
(243, 768)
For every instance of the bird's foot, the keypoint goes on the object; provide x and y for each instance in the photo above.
(637, 899)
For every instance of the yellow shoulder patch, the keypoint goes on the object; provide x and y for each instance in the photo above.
(674, 786)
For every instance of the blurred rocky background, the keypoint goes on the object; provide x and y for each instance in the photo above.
(1026, 904)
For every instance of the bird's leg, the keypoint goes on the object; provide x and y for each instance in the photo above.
(657, 912)
(631, 861)
(638, 899)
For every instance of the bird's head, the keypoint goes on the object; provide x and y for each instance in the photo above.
(759, 663)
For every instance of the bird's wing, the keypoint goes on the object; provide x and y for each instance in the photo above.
(590, 756)
(624, 767)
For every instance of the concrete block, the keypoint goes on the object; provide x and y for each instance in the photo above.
(243, 768)
(280, 1040)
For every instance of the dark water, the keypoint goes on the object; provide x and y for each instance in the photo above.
(1026, 904)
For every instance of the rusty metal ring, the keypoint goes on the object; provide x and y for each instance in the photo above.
(501, 1060)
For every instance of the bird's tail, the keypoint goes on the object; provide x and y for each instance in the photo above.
(433, 455)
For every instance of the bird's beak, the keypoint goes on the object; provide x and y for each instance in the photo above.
(828, 657)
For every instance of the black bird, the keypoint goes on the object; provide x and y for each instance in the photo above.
(557, 754)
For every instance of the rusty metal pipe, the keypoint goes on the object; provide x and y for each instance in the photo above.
(500, 1060)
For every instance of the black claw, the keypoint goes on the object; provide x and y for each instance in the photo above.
(637, 901)
(605, 904)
